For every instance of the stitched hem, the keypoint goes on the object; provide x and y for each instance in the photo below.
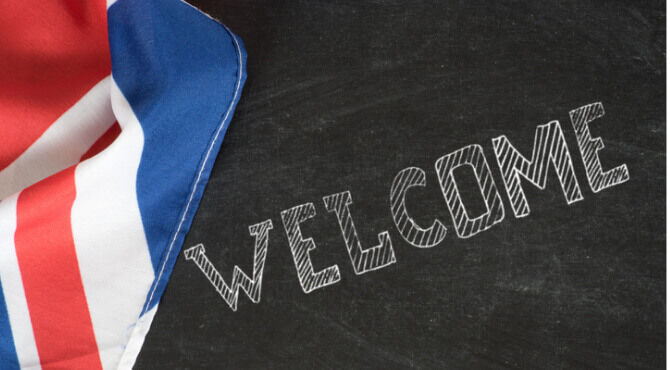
(143, 323)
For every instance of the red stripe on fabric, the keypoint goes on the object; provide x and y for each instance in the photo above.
(50, 272)
(103, 142)
(51, 53)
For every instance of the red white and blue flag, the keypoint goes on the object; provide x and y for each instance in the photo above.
(111, 116)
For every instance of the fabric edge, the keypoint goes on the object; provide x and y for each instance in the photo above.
(143, 324)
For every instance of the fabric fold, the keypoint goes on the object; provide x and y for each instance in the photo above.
(106, 198)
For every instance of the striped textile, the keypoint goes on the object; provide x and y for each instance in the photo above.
(111, 116)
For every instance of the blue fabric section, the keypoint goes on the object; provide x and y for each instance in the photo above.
(180, 71)
(8, 358)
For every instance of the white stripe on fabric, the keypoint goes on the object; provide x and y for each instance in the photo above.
(113, 255)
(12, 285)
(63, 143)
(137, 339)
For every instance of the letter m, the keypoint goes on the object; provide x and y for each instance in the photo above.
(549, 147)
(252, 286)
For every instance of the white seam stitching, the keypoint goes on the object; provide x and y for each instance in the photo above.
(202, 168)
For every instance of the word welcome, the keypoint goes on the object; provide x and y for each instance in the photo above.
(549, 148)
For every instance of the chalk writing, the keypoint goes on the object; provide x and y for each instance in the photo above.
(549, 147)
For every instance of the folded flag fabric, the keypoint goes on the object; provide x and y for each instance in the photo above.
(111, 116)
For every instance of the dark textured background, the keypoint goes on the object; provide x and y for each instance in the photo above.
(343, 95)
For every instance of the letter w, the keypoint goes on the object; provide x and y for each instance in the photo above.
(549, 146)
(240, 280)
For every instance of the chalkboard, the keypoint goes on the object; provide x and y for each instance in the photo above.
(341, 97)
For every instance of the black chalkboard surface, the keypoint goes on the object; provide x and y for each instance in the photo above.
(342, 97)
